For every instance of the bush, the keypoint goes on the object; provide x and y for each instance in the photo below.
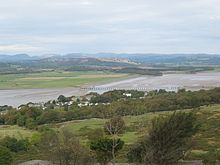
(167, 140)
(15, 145)
(5, 156)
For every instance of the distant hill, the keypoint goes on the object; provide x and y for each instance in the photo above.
(16, 58)
(154, 59)
(69, 61)
(176, 59)
(113, 59)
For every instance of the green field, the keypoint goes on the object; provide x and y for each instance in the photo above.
(56, 79)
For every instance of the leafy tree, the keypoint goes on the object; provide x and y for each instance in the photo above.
(136, 153)
(10, 117)
(212, 157)
(31, 123)
(21, 120)
(15, 145)
(103, 149)
(96, 134)
(168, 138)
(2, 120)
(6, 108)
(50, 117)
(63, 99)
(63, 147)
(5, 156)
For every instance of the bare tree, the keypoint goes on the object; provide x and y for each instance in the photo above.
(114, 127)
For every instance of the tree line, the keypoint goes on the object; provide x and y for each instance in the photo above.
(155, 101)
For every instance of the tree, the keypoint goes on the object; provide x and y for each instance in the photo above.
(103, 148)
(63, 99)
(63, 147)
(168, 139)
(5, 156)
(136, 152)
(114, 127)
(21, 120)
(212, 157)
(95, 134)
(50, 117)
(15, 145)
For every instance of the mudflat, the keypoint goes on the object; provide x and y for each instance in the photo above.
(16, 97)
(172, 82)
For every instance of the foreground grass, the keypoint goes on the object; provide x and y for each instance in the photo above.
(56, 79)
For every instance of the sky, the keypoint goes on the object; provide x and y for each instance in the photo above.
(40, 27)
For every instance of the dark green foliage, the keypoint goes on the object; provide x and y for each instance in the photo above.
(10, 118)
(167, 141)
(103, 149)
(27, 116)
(2, 120)
(136, 70)
(115, 95)
(14, 144)
(64, 148)
(136, 153)
(63, 99)
(6, 108)
(5, 156)
(95, 134)
(212, 157)
(50, 117)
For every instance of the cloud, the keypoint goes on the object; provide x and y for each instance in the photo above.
(111, 25)
(18, 48)
(85, 3)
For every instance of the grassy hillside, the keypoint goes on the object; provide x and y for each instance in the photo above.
(136, 127)
(205, 140)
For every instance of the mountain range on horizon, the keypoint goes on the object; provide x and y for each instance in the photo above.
(149, 58)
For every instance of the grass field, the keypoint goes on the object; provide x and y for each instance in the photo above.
(56, 79)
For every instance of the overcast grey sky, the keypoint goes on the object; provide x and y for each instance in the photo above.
(142, 26)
